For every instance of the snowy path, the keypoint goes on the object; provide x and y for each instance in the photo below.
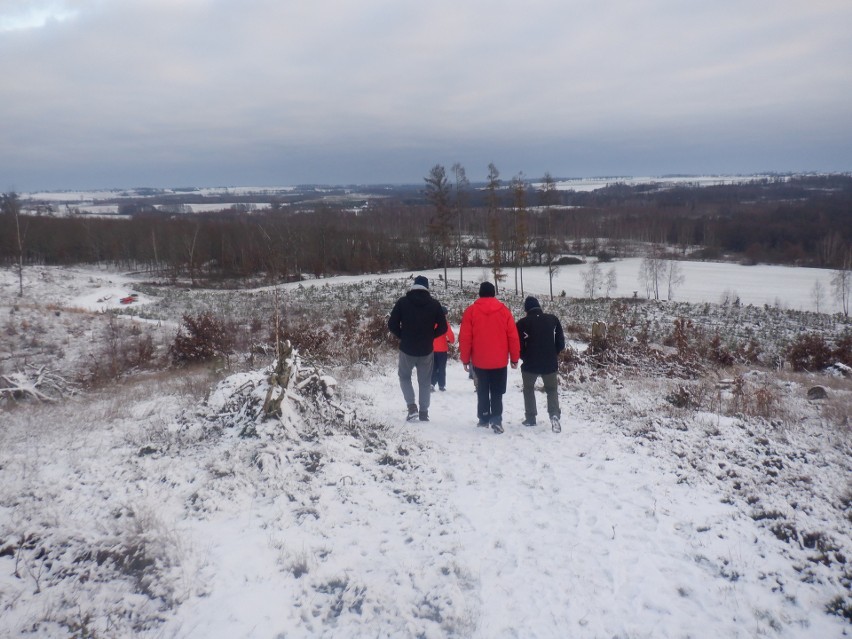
(580, 534)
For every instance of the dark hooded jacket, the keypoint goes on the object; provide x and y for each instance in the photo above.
(417, 319)
(541, 341)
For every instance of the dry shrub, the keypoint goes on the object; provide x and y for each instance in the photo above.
(376, 328)
(749, 353)
(681, 397)
(355, 337)
(569, 359)
(577, 330)
(747, 398)
(308, 338)
(836, 411)
(764, 402)
(611, 353)
(682, 337)
(740, 395)
(121, 348)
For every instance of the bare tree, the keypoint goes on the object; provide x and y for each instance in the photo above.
(191, 246)
(548, 196)
(496, 241)
(592, 280)
(674, 276)
(494, 235)
(841, 283)
(817, 295)
(438, 194)
(650, 274)
(11, 206)
(521, 228)
(611, 282)
(460, 187)
(829, 249)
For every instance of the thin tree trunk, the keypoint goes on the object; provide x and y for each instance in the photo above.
(20, 256)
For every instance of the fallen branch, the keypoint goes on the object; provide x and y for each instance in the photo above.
(19, 387)
(33, 382)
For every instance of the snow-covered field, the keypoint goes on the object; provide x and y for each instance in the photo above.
(595, 183)
(137, 509)
(91, 202)
(783, 286)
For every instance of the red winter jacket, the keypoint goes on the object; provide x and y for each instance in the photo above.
(442, 342)
(488, 336)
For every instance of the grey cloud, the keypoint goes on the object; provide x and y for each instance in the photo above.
(380, 90)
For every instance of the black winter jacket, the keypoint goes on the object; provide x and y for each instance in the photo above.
(417, 319)
(541, 340)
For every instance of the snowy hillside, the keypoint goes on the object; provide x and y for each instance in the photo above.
(163, 505)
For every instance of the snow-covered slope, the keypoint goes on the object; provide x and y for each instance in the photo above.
(161, 505)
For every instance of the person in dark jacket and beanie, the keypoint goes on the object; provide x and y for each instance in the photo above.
(487, 340)
(542, 340)
(417, 319)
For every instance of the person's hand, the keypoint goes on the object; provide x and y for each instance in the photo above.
(466, 368)
(514, 364)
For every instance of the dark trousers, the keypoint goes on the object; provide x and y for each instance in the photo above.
(550, 388)
(490, 387)
(439, 369)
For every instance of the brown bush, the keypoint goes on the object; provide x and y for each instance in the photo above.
(809, 352)
(718, 352)
(205, 338)
(843, 350)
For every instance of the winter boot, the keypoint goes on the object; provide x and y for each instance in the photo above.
(424, 415)
(497, 425)
(412, 413)
(554, 424)
(484, 421)
(529, 421)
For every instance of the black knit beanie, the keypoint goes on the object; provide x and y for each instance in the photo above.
(486, 289)
(530, 303)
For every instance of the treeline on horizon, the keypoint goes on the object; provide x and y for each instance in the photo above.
(803, 221)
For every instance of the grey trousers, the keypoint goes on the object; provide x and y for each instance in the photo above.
(423, 364)
(550, 386)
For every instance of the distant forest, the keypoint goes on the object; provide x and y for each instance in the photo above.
(803, 221)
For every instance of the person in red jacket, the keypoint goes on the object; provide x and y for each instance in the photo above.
(440, 350)
(488, 339)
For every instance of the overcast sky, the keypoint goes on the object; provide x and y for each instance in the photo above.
(122, 93)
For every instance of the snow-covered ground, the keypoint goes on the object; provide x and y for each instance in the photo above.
(139, 510)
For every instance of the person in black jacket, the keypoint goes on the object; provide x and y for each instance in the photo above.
(417, 319)
(541, 339)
